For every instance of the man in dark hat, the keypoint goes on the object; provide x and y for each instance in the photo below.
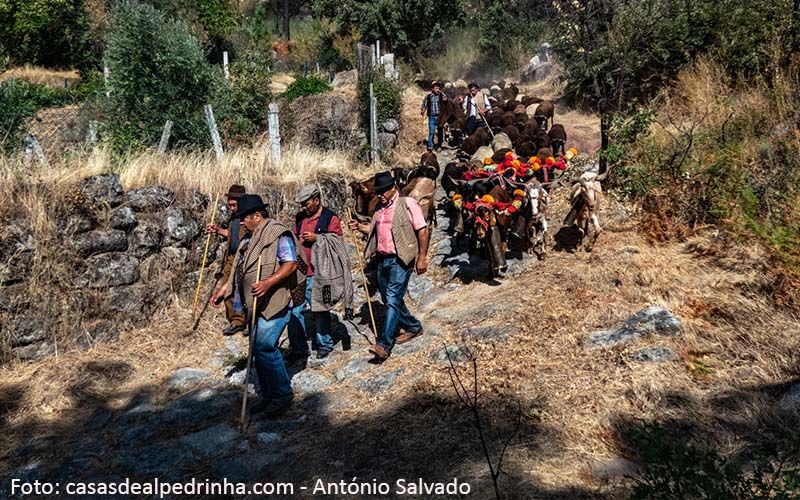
(311, 221)
(282, 275)
(432, 105)
(475, 105)
(398, 238)
(234, 233)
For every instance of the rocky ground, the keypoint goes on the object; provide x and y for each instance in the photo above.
(574, 345)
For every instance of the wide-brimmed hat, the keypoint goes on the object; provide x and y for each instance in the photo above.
(306, 193)
(383, 182)
(235, 191)
(249, 203)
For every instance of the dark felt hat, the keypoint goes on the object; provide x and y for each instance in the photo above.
(235, 191)
(383, 182)
(249, 203)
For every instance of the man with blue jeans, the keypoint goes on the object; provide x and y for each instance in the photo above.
(314, 219)
(432, 105)
(274, 247)
(398, 238)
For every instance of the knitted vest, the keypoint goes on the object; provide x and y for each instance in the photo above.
(403, 234)
(264, 244)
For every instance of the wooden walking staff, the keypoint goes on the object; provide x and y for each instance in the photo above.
(205, 257)
(253, 315)
(364, 277)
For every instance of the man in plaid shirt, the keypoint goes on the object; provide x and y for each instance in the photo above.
(432, 104)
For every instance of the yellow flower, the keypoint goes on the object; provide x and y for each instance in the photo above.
(573, 151)
(517, 204)
(536, 166)
(457, 197)
(487, 160)
(487, 198)
(515, 163)
(519, 192)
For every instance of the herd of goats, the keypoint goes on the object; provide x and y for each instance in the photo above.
(497, 188)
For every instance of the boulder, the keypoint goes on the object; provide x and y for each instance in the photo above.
(14, 298)
(653, 319)
(309, 382)
(198, 201)
(186, 378)
(155, 267)
(99, 241)
(104, 189)
(657, 354)
(133, 303)
(110, 269)
(391, 125)
(16, 252)
(27, 332)
(379, 383)
(145, 239)
(345, 78)
(352, 368)
(122, 218)
(537, 73)
(78, 223)
(181, 228)
(213, 441)
(386, 142)
(150, 198)
(94, 332)
(501, 141)
(419, 286)
(482, 153)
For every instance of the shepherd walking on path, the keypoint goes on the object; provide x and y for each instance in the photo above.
(328, 280)
(398, 239)
(475, 106)
(283, 274)
(234, 233)
(432, 105)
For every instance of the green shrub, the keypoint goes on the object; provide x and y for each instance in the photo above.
(674, 466)
(388, 94)
(44, 32)
(306, 86)
(19, 101)
(241, 103)
(157, 73)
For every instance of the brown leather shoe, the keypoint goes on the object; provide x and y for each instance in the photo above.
(406, 337)
(379, 351)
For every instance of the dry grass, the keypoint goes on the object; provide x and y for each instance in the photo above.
(460, 54)
(43, 76)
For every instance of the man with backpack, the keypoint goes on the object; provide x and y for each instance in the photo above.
(319, 231)
(432, 105)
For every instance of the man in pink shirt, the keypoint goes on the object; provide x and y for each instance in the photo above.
(398, 238)
(311, 221)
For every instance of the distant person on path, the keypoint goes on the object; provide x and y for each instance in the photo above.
(319, 230)
(475, 106)
(282, 274)
(398, 238)
(234, 233)
(431, 105)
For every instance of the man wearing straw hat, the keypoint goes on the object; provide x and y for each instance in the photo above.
(234, 233)
(282, 273)
(311, 222)
(398, 238)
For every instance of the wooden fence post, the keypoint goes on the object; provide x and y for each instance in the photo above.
(274, 133)
(106, 75)
(225, 65)
(208, 112)
(164, 142)
(373, 125)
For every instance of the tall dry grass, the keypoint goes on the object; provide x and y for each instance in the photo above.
(43, 76)
(460, 53)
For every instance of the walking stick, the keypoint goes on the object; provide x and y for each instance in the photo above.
(487, 124)
(253, 314)
(205, 257)
(363, 277)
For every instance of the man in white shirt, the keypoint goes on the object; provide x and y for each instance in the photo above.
(475, 105)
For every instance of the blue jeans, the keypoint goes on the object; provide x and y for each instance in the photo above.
(297, 325)
(434, 129)
(393, 278)
(270, 369)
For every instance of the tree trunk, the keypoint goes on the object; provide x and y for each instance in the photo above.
(605, 121)
(286, 18)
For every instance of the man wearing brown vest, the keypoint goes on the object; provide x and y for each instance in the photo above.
(475, 105)
(398, 238)
(282, 272)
